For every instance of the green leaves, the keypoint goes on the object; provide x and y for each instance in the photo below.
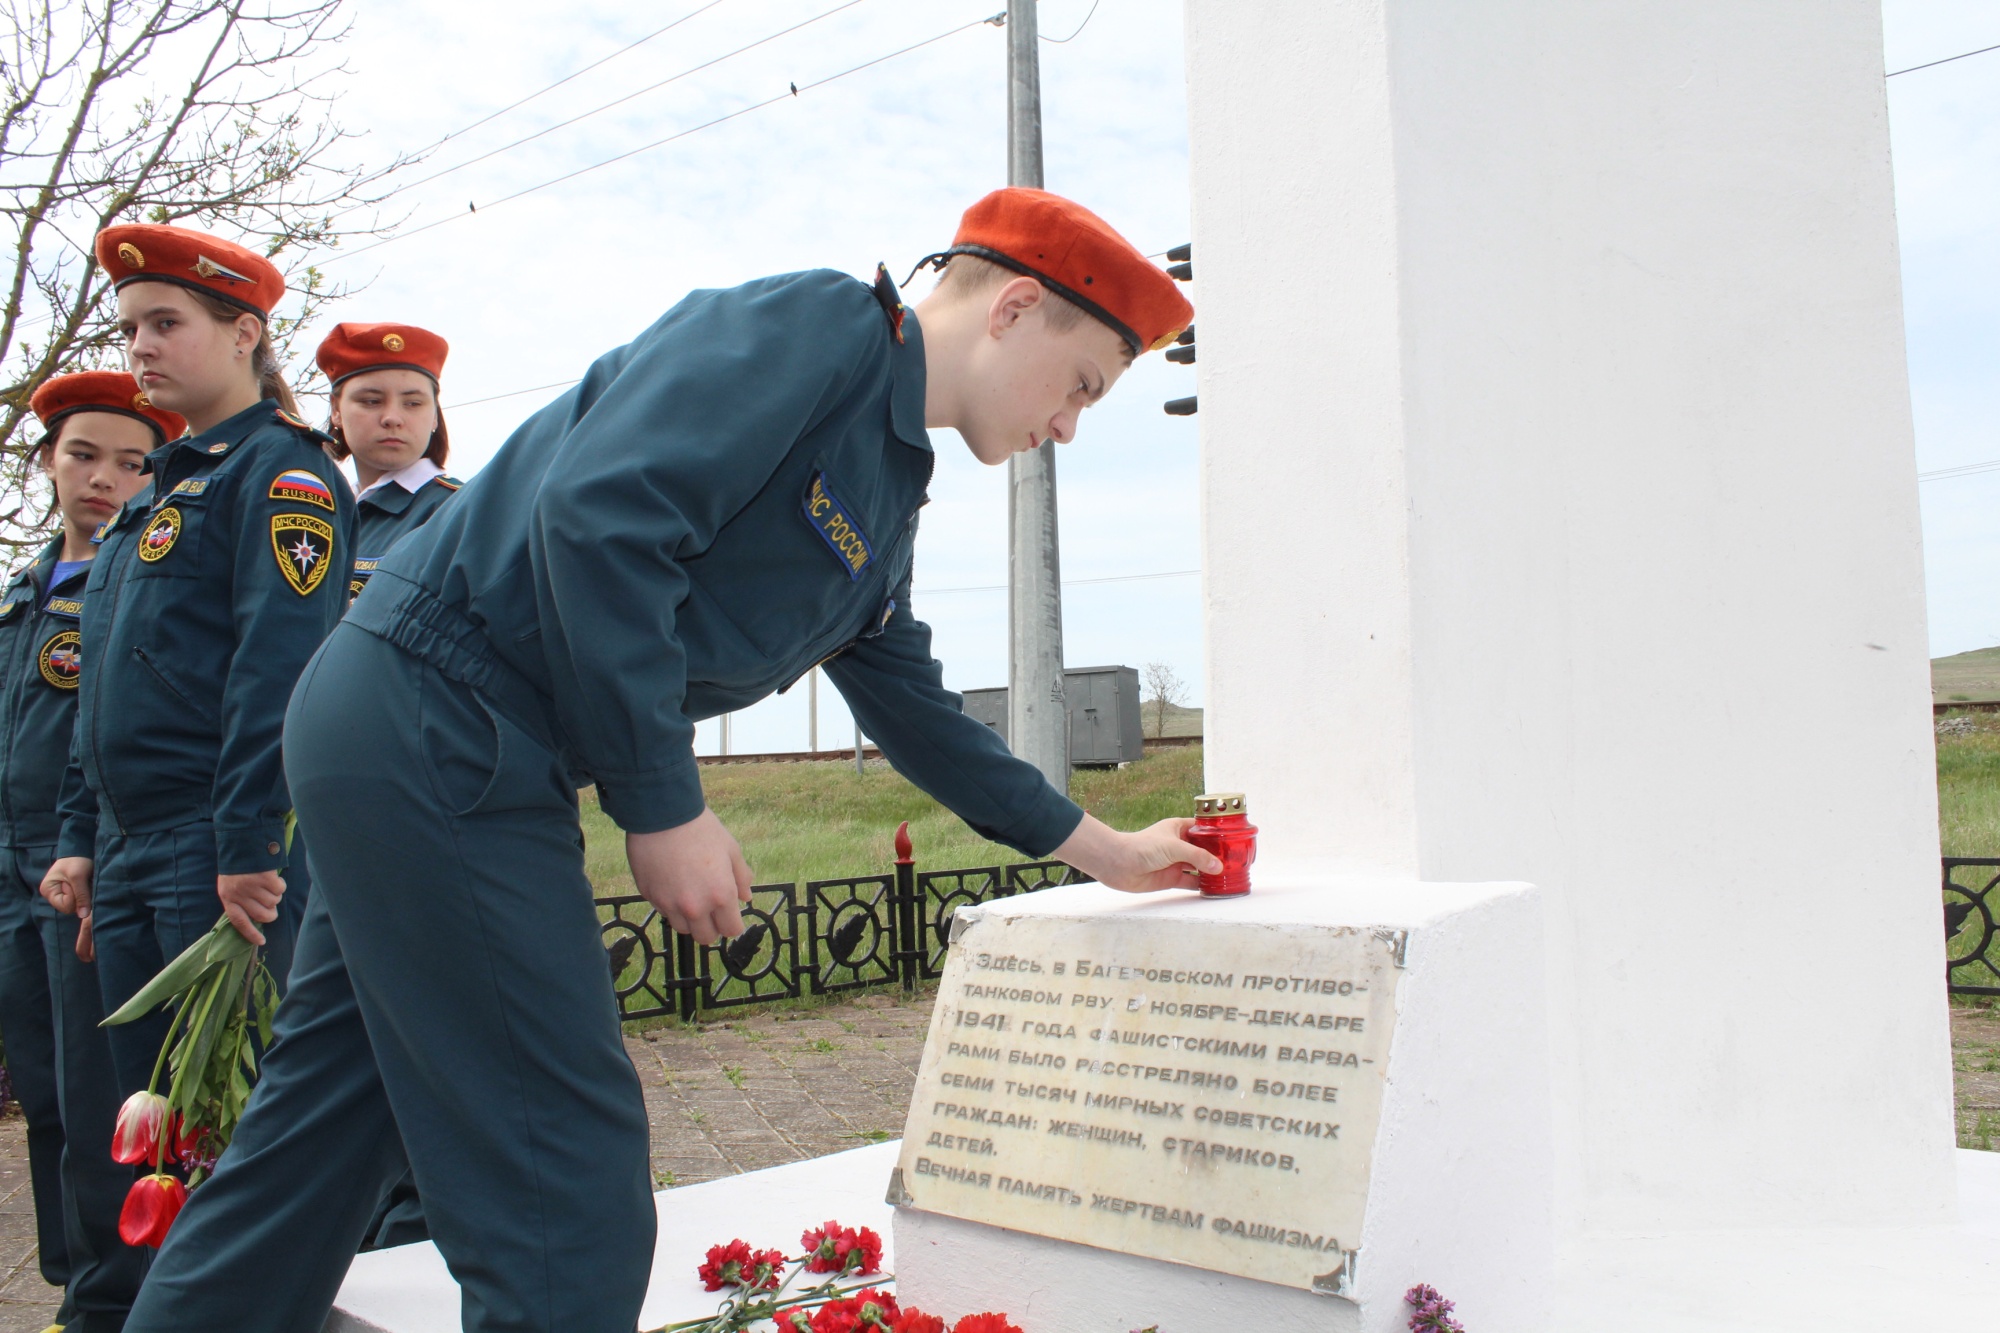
(224, 1000)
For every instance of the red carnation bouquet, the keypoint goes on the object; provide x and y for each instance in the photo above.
(224, 999)
(769, 1290)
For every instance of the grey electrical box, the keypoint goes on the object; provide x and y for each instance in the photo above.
(1104, 721)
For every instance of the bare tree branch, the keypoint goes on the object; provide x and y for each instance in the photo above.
(215, 114)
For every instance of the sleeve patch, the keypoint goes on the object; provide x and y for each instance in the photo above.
(304, 547)
(842, 535)
(302, 487)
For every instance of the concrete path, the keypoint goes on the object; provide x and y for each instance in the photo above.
(724, 1096)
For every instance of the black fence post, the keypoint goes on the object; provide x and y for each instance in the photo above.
(687, 979)
(908, 948)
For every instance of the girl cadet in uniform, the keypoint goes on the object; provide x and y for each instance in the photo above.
(715, 508)
(385, 413)
(100, 429)
(209, 597)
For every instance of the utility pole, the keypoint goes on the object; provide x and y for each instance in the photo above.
(812, 709)
(1037, 718)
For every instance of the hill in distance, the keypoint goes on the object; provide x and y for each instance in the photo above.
(1966, 677)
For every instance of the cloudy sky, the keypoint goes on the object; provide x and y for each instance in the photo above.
(876, 164)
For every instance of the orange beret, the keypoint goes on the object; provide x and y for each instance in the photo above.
(150, 252)
(1076, 255)
(103, 391)
(353, 348)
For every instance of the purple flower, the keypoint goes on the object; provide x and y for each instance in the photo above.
(1433, 1311)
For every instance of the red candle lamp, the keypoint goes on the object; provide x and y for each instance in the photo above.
(1222, 826)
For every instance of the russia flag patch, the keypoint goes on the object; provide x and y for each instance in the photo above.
(301, 487)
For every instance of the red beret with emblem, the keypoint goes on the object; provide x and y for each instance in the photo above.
(1078, 256)
(353, 348)
(149, 252)
(103, 391)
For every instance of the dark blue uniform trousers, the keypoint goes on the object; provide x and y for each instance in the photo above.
(153, 895)
(450, 1008)
(61, 1067)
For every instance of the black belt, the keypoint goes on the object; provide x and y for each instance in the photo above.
(415, 620)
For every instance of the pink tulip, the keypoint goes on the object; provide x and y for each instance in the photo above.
(140, 1122)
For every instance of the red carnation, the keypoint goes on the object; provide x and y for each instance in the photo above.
(726, 1265)
(984, 1323)
(864, 1310)
(151, 1206)
(833, 1248)
(916, 1321)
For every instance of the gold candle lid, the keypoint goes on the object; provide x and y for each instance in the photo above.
(1219, 803)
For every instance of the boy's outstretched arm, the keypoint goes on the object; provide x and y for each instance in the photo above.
(1145, 861)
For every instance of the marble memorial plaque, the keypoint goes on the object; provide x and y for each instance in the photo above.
(1201, 1092)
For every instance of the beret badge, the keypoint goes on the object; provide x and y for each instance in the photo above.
(392, 342)
(140, 402)
(131, 256)
(208, 268)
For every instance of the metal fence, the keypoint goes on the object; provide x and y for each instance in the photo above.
(1971, 931)
(827, 936)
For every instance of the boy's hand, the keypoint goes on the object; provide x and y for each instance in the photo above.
(1143, 862)
(249, 899)
(695, 875)
(67, 885)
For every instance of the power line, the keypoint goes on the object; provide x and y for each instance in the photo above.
(577, 74)
(793, 91)
(1963, 470)
(1946, 61)
(654, 87)
(1079, 27)
(511, 393)
(1067, 583)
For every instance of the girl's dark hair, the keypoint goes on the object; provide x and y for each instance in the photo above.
(45, 454)
(264, 360)
(440, 445)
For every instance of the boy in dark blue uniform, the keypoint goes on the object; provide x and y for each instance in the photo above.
(718, 506)
(385, 414)
(210, 595)
(100, 429)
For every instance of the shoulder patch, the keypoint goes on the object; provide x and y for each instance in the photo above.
(61, 660)
(299, 486)
(291, 420)
(449, 483)
(304, 548)
(160, 535)
(835, 525)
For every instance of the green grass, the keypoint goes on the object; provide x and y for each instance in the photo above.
(1968, 770)
(799, 822)
(1965, 676)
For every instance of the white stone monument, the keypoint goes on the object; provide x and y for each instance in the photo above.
(1561, 527)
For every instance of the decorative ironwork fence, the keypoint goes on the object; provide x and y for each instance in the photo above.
(1972, 925)
(830, 935)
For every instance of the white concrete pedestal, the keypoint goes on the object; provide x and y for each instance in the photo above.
(409, 1290)
(1459, 1192)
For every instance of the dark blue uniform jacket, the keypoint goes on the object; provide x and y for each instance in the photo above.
(389, 514)
(40, 664)
(209, 595)
(716, 507)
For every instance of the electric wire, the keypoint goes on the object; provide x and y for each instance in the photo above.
(1079, 27)
(652, 87)
(1962, 470)
(577, 74)
(1067, 583)
(1932, 64)
(792, 91)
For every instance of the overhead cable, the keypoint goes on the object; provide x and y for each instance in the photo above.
(792, 91)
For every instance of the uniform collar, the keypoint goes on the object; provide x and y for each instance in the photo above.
(43, 565)
(220, 438)
(410, 480)
(906, 390)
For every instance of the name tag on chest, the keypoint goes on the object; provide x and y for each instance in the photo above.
(69, 608)
(836, 525)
